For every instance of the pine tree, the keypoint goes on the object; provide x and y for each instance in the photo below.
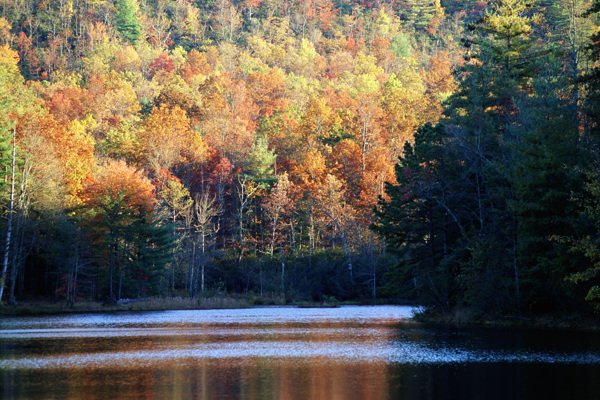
(588, 243)
(592, 80)
(515, 115)
(260, 163)
(127, 23)
(506, 45)
(421, 222)
(545, 174)
(153, 242)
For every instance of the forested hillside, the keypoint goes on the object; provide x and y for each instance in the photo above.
(190, 148)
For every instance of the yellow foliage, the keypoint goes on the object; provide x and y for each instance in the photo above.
(121, 100)
(127, 59)
(122, 144)
(164, 135)
(77, 155)
(382, 23)
(250, 64)
(5, 28)
(178, 56)
(9, 70)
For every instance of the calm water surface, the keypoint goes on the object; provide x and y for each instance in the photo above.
(288, 353)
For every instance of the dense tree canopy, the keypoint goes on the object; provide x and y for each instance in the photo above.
(191, 146)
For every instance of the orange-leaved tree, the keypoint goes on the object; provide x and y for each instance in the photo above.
(118, 213)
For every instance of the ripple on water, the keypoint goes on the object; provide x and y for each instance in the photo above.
(346, 335)
(332, 352)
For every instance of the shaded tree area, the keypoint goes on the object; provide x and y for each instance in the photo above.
(492, 211)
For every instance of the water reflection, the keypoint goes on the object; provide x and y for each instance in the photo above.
(284, 353)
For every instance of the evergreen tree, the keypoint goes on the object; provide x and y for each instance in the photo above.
(545, 174)
(421, 222)
(418, 13)
(588, 243)
(260, 163)
(483, 213)
(153, 242)
(127, 23)
(592, 80)
(486, 112)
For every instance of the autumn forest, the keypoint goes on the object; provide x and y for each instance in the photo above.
(440, 152)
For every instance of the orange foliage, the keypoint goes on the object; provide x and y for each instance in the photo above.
(117, 179)
(438, 79)
(75, 150)
(345, 161)
(379, 170)
(311, 171)
(68, 103)
(268, 90)
(325, 13)
(195, 64)
(229, 117)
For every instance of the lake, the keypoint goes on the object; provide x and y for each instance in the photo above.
(353, 352)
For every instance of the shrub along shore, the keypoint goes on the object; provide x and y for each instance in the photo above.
(44, 307)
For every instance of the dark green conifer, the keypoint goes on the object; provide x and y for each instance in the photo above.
(127, 23)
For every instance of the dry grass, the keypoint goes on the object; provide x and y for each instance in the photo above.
(149, 304)
(182, 303)
(46, 307)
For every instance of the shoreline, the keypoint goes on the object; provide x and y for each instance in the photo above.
(455, 319)
(547, 321)
(32, 308)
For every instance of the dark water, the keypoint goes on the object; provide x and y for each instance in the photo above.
(288, 353)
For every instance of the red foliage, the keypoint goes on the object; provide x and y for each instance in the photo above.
(68, 104)
(161, 63)
(161, 177)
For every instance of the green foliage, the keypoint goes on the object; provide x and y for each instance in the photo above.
(503, 175)
(420, 221)
(260, 163)
(127, 23)
(401, 45)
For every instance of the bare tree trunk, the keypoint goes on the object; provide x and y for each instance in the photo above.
(202, 279)
(261, 279)
(311, 233)
(75, 272)
(344, 242)
(516, 263)
(190, 276)
(192, 269)
(16, 260)
(120, 281)
(10, 215)
(245, 193)
(282, 269)
(173, 251)
(112, 266)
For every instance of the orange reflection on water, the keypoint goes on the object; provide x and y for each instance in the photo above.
(275, 360)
